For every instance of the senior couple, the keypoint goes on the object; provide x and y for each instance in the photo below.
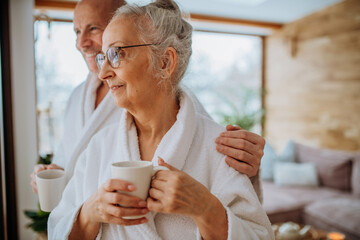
(145, 53)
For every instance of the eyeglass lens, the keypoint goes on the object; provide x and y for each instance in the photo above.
(113, 56)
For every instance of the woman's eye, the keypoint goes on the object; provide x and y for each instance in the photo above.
(122, 53)
(93, 28)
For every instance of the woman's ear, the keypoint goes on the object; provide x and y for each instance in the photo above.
(169, 62)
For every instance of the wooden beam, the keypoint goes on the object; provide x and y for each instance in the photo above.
(70, 5)
(56, 5)
(225, 20)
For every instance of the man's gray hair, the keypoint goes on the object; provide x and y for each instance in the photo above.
(162, 24)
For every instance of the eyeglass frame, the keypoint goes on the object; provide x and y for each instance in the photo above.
(117, 50)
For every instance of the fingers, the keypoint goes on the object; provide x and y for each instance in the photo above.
(33, 185)
(236, 143)
(241, 167)
(125, 222)
(156, 194)
(238, 154)
(37, 168)
(119, 211)
(125, 200)
(113, 185)
(158, 184)
(154, 205)
(243, 134)
(54, 166)
(232, 127)
(163, 163)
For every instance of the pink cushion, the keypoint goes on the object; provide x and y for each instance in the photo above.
(356, 176)
(338, 214)
(333, 167)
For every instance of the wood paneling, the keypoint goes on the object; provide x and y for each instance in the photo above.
(313, 80)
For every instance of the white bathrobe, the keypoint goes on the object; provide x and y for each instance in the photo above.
(82, 121)
(189, 146)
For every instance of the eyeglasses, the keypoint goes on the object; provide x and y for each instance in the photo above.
(113, 56)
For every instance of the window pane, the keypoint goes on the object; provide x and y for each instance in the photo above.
(225, 74)
(59, 68)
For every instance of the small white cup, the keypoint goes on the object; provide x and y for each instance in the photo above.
(139, 173)
(50, 185)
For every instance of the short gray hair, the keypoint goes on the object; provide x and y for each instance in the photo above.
(161, 23)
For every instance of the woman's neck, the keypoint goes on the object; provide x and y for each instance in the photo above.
(153, 121)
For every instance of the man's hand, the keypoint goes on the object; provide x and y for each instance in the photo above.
(243, 149)
(38, 168)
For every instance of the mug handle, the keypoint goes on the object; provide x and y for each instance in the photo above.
(158, 168)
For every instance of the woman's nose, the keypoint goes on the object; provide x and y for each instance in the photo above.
(106, 72)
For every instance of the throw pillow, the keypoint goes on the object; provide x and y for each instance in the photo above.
(288, 154)
(295, 174)
(355, 177)
(333, 167)
(270, 158)
(267, 162)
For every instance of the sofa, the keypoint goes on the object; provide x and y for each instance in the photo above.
(308, 185)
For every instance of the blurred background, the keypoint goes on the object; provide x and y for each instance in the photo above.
(286, 70)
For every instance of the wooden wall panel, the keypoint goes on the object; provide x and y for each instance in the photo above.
(313, 80)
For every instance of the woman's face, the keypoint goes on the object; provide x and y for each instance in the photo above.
(132, 83)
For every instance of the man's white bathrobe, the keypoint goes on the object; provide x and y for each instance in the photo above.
(189, 146)
(82, 121)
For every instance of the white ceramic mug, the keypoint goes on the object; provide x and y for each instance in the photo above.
(139, 173)
(50, 185)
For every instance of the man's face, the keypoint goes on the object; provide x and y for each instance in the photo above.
(89, 24)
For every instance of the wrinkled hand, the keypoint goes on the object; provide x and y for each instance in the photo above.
(176, 192)
(107, 206)
(244, 149)
(38, 168)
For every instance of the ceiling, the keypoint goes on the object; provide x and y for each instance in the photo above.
(260, 13)
(274, 11)
(268, 11)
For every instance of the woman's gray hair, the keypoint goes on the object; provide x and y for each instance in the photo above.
(162, 24)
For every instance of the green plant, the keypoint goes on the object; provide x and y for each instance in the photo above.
(39, 218)
(244, 116)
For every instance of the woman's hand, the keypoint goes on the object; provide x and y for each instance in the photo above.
(244, 149)
(176, 192)
(38, 168)
(107, 205)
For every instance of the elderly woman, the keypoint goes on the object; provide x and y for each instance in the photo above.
(147, 50)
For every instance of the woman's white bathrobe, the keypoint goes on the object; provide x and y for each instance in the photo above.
(189, 146)
(82, 121)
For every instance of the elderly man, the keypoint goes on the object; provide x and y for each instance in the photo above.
(91, 107)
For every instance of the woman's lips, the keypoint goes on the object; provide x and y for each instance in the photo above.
(115, 87)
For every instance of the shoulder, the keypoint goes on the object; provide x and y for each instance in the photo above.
(208, 128)
(78, 90)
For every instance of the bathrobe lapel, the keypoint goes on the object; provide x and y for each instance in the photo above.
(91, 122)
(173, 148)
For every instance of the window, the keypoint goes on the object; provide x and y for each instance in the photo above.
(59, 68)
(224, 73)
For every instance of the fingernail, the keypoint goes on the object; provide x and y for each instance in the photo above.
(131, 187)
(144, 211)
(223, 134)
(217, 140)
(142, 204)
